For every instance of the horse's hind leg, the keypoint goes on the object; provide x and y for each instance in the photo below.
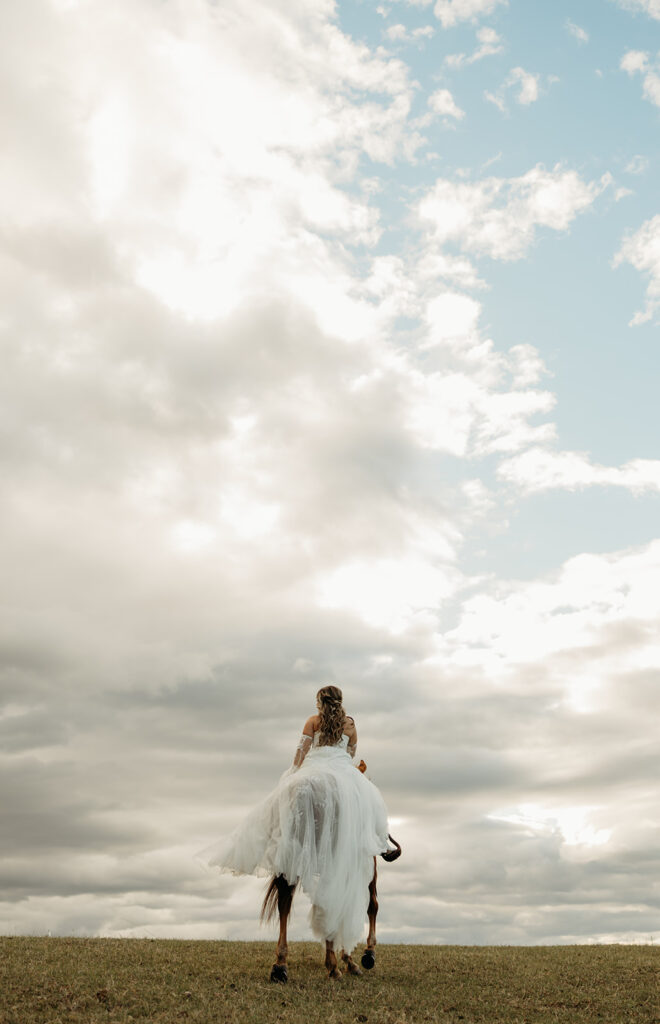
(279, 894)
(351, 967)
(331, 961)
(369, 955)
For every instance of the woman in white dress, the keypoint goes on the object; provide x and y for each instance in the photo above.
(320, 828)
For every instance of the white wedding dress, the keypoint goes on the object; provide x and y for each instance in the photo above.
(321, 827)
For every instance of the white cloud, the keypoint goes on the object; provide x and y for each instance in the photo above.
(574, 611)
(230, 474)
(498, 217)
(469, 410)
(204, 278)
(457, 414)
(442, 102)
(190, 535)
(642, 251)
(490, 161)
(386, 593)
(452, 317)
(450, 12)
(541, 469)
(490, 43)
(203, 258)
(572, 823)
(652, 87)
(579, 650)
(637, 165)
(577, 32)
(496, 100)
(650, 7)
(526, 365)
(528, 84)
(402, 34)
(456, 270)
(636, 61)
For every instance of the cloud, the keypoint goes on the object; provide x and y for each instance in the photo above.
(217, 469)
(595, 609)
(230, 474)
(451, 12)
(454, 414)
(554, 778)
(570, 656)
(435, 265)
(496, 99)
(498, 217)
(529, 88)
(650, 7)
(527, 366)
(490, 43)
(540, 469)
(642, 251)
(529, 85)
(442, 102)
(399, 33)
(637, 61)
(576, 31)
(634, 60)
(637, 165)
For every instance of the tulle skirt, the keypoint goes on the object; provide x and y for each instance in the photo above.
(321, 827)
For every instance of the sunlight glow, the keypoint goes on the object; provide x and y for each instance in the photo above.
(248, 518)
(110, 139)
(387, 593)
(570, 822)
(200, 289)
(191, 535)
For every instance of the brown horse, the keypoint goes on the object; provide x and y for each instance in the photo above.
(279, 898)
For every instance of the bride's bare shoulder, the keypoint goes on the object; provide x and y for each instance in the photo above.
(312, 724)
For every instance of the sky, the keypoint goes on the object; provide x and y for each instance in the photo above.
(330, 354)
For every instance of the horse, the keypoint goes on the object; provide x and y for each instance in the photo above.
(279, 898)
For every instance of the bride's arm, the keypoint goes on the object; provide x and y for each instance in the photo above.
(305, 743)
(351, 732)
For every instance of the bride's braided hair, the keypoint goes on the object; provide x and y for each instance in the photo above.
(331, 713)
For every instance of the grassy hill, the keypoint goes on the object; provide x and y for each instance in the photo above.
(122, 981)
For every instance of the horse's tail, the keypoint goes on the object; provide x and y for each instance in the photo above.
(279, 897)
(391, 855)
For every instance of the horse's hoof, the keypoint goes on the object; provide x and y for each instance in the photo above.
(354, 970)
(368, 959)
(335, 974)
(279, 973)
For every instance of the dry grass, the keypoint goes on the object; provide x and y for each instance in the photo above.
(116, 981)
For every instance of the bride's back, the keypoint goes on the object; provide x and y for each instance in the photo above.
(349, 733)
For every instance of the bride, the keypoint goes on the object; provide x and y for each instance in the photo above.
(321, 827)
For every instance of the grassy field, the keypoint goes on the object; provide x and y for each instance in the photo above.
(57, 980)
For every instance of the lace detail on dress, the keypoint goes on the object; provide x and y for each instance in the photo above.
(301, 750)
